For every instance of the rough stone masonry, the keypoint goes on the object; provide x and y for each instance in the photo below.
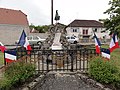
(71, 81)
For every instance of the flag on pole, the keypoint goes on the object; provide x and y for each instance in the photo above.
(10, 56)
(105, 53)
(97, 44)
(114, 42)
(2, 47)
(24, 42)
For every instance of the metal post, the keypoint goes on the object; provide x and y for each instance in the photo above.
(51, 12)
(4, 59)
(72, 58)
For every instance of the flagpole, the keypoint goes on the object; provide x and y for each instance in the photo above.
(51, 12)
(4, 59)
(17, 46)
(17, 51)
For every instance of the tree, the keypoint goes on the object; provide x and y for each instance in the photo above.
(41, 29)
(113, 22)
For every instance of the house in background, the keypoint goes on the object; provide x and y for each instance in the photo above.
(86, 28)
(12, 23)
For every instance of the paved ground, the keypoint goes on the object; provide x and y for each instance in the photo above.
(64, 82)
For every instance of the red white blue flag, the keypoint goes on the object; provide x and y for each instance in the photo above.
(23, 41)
(10, 56)
(2, 48)
(105, 53)
(114, 42)
(97, 44)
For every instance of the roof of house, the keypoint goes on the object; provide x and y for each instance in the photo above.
(85, 23)
(14, 17)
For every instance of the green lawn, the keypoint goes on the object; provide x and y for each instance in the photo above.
(1, 58)
(115, 56)
(105, 46)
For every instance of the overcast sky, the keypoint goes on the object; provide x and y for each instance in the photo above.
(39, 11)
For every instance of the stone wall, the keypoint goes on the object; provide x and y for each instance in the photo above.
(10, 33)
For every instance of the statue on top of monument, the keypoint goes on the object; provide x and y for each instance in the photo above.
(57, 17)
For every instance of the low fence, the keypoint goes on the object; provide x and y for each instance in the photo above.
(86, 40)
(59, 60)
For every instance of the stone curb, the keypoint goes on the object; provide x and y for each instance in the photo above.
(93, 82)
(34, 83)
(86, 79)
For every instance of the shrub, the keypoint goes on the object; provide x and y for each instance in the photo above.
(17, 73)
(5, 84)
(103, 71)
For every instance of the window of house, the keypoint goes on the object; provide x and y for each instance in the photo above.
(74, 30)
(95, 29)
(85, 31)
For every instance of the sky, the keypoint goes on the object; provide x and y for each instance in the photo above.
(39, 11)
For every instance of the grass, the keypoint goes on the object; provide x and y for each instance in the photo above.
(105, 46)
(1, 58)
(115, 56)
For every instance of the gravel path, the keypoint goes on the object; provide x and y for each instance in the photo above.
(64, 82)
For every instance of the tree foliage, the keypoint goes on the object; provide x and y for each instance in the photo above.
(41, 29)
(113, 22)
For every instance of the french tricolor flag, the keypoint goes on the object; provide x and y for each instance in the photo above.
(24, 42)
(97, 44)
(10, 56)
(114, 42)
(2, 48)
(105, 53)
